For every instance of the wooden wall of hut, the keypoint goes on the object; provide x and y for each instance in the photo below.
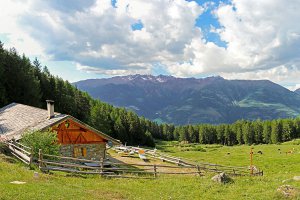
(71, 132)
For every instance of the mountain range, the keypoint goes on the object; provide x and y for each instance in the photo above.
(212, 100)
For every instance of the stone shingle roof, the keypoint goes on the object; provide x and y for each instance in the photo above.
(16, 118)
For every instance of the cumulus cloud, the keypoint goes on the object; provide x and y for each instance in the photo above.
(100, 35)
(262, 37)
(287, 76)
(263, 41)
(9, 26)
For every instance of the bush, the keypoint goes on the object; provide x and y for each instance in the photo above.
(45, 140)
(3, 148)
(198, 148)
(192, 148)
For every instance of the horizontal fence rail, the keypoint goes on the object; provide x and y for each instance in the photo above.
(110, 169)
(124, 170)
(20, 151)
(232, 170)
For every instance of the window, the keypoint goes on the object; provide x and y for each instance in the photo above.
(79, 152)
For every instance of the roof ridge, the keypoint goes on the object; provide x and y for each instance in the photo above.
(7, 106)
(36, 107)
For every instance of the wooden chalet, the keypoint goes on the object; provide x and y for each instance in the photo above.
(76, 138)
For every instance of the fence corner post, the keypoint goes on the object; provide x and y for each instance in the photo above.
(31, 160)
(154, 169)
(198, 168)
(40, 158)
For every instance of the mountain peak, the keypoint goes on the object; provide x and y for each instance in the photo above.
(163, 78)
(147, 77)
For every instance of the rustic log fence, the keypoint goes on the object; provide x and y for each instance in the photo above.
(110, 169)
(20, 151)
(48, 162)
(232, 170)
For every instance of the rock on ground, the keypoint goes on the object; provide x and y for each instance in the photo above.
(18, 182)
(296, 178)
(289, 191)
(221, 178)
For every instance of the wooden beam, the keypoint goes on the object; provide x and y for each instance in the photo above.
(70, 129)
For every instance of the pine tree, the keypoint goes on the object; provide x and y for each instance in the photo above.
(248, 133)
(120, 131)
(3, 98)
(149, 141)
(258, 131)
(276, 132)
(287, 130)
(220, 134)
(192, 134)
(267, 129)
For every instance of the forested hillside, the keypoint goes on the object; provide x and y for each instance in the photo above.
(30, 83)
(181, 101)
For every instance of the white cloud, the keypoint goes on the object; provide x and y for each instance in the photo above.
(108, 32)
(18, 38)
(262, 37)
(288, 76)
(113, 72)
(263, 41)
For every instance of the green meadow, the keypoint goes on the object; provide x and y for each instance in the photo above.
(278, 166)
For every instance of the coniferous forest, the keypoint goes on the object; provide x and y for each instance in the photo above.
(31, 83)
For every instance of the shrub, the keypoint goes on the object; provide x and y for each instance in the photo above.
(3, 148)
(193, 148)
(45, 140)
(198, 148)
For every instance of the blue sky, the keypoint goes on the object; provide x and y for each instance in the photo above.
(236, 39)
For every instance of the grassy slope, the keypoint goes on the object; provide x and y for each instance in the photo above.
(277, 167)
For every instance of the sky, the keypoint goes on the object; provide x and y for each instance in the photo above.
(81, 39)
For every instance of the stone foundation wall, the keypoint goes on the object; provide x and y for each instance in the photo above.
(93, 151)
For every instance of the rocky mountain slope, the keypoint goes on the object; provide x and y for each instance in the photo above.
(191, 100)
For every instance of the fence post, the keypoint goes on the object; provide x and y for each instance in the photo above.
(178, 162)
(40, 158)
(251, 161)
(154, 169)
(101, 166)
(31, 159)
(198, 168)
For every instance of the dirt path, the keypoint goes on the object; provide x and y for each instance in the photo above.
(134, 159)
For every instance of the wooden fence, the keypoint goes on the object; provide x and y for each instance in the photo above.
(232, 170)
(69, 164)
(110, 169)
(20, 151)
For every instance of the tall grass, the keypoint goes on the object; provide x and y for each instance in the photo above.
(277, 165)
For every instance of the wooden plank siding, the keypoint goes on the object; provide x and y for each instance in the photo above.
(79, 141)
(71, 132)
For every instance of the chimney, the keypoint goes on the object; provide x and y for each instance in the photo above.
(50, 108)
